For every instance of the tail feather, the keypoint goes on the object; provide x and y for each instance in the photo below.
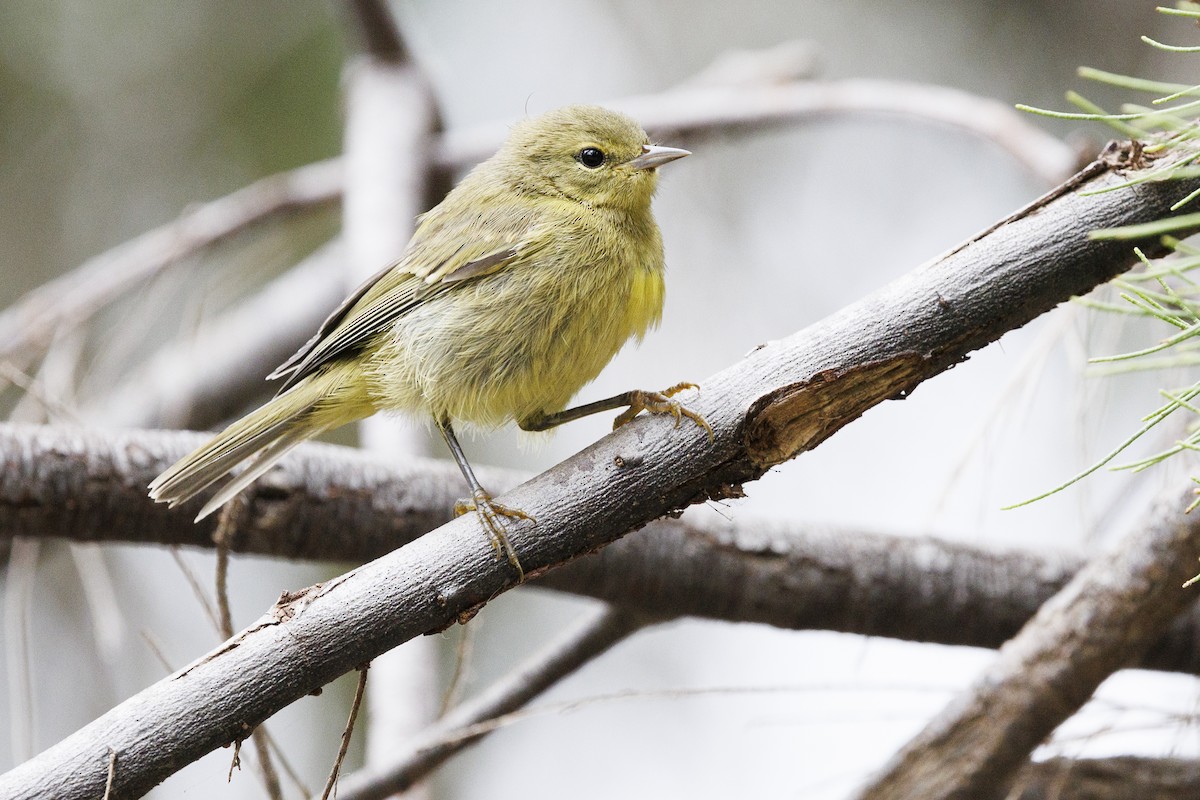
(260, 463)
(196, 472)
(317, 404)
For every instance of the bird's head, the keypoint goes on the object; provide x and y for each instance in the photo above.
(588, 154)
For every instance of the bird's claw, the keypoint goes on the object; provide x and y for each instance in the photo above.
(661, 403)
(490, 513)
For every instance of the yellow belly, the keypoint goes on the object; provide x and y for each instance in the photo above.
(515, 344)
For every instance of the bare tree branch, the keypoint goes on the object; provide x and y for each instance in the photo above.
(1109, 613)
(782, 399)
(91, 485)
(337, 504)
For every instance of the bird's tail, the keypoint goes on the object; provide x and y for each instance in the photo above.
(319, 403)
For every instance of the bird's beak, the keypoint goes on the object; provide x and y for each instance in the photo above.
(654, 156)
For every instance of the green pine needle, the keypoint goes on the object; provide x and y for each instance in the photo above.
(1154, 419)
(1162, 289)
(1185, 10)
(1088, 107)
(1130, 82)
(1189, 198)
(1186, 92)
(1170, 48)
(1146, 229)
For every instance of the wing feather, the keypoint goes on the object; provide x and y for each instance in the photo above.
(447, 249)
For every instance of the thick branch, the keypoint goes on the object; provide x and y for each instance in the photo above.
(337, 504)
(1109, 613)
(784, 398)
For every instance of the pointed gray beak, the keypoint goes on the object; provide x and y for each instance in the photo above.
(654, 156)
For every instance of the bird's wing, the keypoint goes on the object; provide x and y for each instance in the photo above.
(447, 249)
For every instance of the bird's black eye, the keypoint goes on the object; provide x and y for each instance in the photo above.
(591, 157)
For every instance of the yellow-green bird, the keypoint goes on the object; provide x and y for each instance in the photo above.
(513, 293)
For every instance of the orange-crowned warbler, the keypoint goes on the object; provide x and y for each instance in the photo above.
(514, 292)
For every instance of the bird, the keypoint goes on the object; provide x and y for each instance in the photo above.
(514, 292)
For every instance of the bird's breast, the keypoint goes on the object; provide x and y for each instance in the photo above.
(525, 339)
(647, 291)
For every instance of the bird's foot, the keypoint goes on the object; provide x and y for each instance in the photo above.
(661, 403)
(490, 515)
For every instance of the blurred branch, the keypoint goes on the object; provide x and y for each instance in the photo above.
(694, 109)
(377, 30)
(327, 503)
(18, 596)
(208, 377)
(28, 327)
(1102, 621)
(791, 60)
(333, 503)
(451, 734)
(1045, 156)
(783, 399)
(391, 120)
(1116, 778)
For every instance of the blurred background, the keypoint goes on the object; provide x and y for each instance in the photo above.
(116, 116)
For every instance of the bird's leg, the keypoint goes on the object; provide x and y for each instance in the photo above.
(634, 402)
(489, 511)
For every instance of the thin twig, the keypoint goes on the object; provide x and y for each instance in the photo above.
(235, 762)
(51, 406)
(346, 733)
(156, 650)
(18, 600)
(270, 776)
(284, 762)
(203, 379)
(205, 602)
(112, 773)
(227, 524)
(100, 595)
(462, 658)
